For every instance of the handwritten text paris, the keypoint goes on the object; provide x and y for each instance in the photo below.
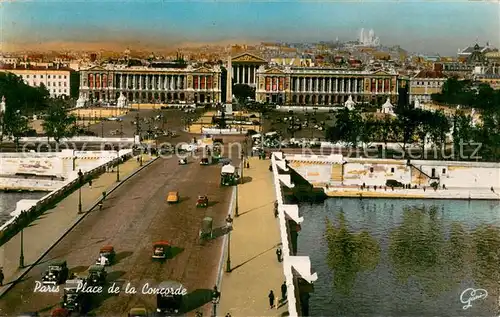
(113, 289)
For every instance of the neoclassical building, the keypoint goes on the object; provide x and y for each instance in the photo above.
(324, 86)
(154, 83)
(244, 68)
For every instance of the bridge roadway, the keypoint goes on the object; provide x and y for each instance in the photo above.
(133, 217)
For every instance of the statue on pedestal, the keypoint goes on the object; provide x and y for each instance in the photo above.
(388, 108)
(349, 104)
(80, 103)
(122, 101)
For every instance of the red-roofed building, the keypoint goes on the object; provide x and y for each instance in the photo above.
(426, 83)
(55, 78)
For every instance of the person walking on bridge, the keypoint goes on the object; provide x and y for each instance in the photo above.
(278, 254)
(271, 299)
(1, 276)
(283, 292)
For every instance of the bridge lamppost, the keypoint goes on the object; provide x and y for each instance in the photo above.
(236, 207)
(228, 261)
(21, 255)
(118, 166)
(80, 184)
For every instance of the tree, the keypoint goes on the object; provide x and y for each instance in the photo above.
(242, 92)
(439, 126)
(15, 124)
(407, 123)
(347, 128)
(20, 96)
(58, 122)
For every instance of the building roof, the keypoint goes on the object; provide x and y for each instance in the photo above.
(14, 67)
(427, 73)
(471, 49)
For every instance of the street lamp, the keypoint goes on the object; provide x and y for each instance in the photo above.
(236, 209)
(228, 261)
(80, 183)
(21, 255)
(118, 166)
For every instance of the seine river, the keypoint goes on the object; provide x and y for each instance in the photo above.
(403, 257)
(8, 202)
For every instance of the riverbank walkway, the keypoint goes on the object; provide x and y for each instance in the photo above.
(420, 193)
(254, 240)
(43, 232)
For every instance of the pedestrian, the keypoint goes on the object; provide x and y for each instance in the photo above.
(228, 315)
(278, 254)
(1, 276)
(283, 291)
(276, 209)
(229, 222)
(248, 164)
(271, 299)
(90, 184)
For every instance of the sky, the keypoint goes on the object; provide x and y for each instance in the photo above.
(419, 25)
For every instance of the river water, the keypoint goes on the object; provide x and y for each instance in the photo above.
(402, 257)
(8, 202)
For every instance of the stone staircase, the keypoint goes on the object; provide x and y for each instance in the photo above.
(336, 177)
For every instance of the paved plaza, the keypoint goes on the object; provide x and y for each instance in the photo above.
(41, 234)
(255, 269)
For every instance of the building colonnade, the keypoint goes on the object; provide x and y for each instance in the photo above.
(245, 73)
(147, 87)
(324, 90)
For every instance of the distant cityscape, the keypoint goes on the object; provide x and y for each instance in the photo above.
(324, 73)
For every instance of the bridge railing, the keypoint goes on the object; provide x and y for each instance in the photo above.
(24, 217)
(300, 264)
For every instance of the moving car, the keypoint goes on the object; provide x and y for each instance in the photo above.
(173, 197)
(228, 175)
(169, 303)
(56, 273)
(72, 299)
(202, 201)
(97, 275)
(138, 312)
(108, 252)
(161, 249)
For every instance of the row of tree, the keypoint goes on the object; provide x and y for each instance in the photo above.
(22, 101)
(412, 125)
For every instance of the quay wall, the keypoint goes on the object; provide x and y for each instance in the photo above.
(342, 176)
(31, 208)
(47, 171)
(338, 170)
